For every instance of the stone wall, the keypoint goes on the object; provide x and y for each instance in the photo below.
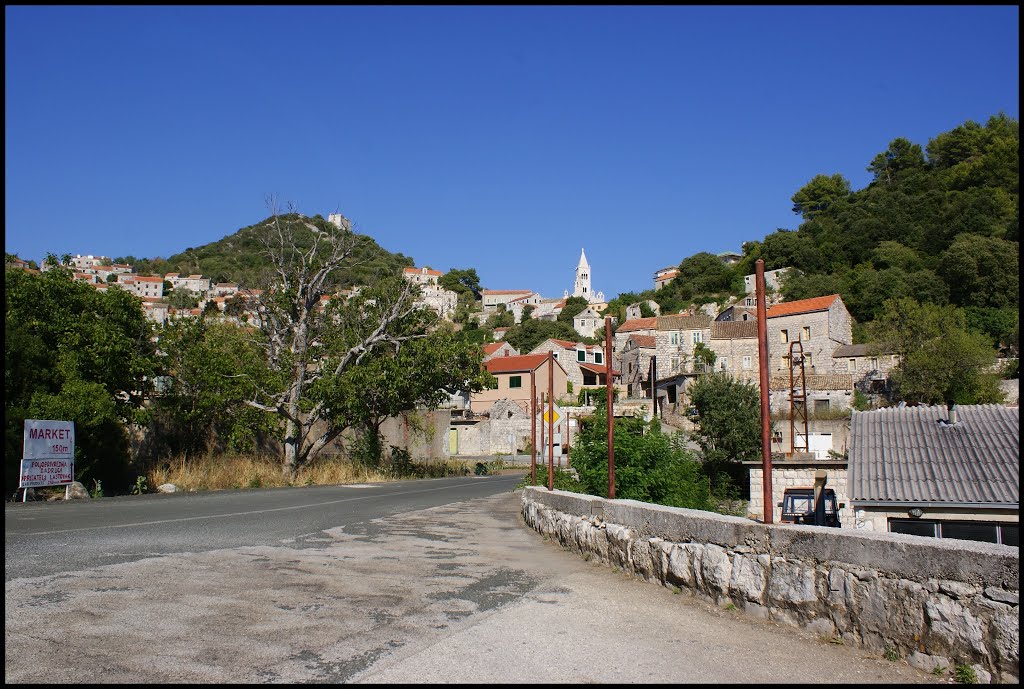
(934, 602)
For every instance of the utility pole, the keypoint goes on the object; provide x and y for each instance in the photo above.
(611, 402)
(762, 352)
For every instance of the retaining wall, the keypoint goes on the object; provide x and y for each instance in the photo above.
(934, 602)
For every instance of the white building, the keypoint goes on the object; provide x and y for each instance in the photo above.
(582, 287)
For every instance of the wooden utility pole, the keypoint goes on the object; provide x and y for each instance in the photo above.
(551, 420)
(766, 438)
(611, 402)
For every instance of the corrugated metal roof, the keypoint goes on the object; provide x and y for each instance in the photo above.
(912, 454)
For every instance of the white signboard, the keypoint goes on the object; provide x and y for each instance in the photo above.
(49, 439)
(46, 472)
(48, 457)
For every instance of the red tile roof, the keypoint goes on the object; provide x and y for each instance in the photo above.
(422, 271)
(507, 291)
(493, 347)
(644, 341)
(600, 369)
(639, 324)
(788, 308)
(511, 364)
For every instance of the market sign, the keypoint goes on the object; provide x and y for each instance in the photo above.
(48, 455)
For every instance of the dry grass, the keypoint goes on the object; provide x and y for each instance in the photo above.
(225, 472)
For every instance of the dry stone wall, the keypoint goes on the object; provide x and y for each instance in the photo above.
(935, 602)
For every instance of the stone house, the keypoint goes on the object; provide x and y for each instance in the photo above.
(735, 346)
(196, 284)
(432, 295)
(513, 374)
(664, 276)
(633, 311)
(587, 321)
(938, 471)
(494, 349)
(676, 336)
(820, 325)
(491, 298)
(636, 363)
(142, 286)
(869, 367)
(739, 312)
(637, 326)
(584, 364)
(772, 280)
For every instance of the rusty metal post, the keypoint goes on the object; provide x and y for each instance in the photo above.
(551, 420)
(611, 402)
(762, 353)
(533, 428)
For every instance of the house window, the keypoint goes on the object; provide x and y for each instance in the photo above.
(581, 355)
(746, 362)
(851, 364)
(697, 336)
(820, 406)
(784, 362)
(598, 357)
(807, 359)
(725, 363)
(806, 334)
(874, 363)
(674, 361)
(783, 336)
(515, 381)
(555, 354)
(673, 338)
(986, 532)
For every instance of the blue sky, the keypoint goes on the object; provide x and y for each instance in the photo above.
(503, 139)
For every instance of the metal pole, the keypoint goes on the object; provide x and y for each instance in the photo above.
(551, 420)
(762, 352)
(533, 429)
(611, 402)
(654, 386)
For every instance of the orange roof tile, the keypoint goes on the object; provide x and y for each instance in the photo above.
(422, 271)
(639, 324)
(493, 347)
(644, 341)
(511, 364)
(507, 291)
(598, 368)
(788, 308)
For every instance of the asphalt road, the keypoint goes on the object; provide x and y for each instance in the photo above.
(412, 582)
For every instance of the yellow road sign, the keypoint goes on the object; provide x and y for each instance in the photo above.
(551, 414)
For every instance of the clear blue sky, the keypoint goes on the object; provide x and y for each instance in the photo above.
(498, 138)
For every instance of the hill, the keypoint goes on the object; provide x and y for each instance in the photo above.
(239, 257)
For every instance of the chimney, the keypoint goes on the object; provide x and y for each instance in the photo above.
(952, 413)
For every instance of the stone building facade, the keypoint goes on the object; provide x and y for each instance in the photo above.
(820, 325)
(735, 346)
(570, 355)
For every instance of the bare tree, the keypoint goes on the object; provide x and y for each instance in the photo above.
(312, 335)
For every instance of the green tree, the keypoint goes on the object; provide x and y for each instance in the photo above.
(462, 282)
(650, 466)
(571, 308)
(422, 373)
(211, 367)
(821, 193)
(982, 271)
(901, 156)
(728, 426)
(704, 273)
(940, 360)
(311, 345)
(75, 354)
(528, 334)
